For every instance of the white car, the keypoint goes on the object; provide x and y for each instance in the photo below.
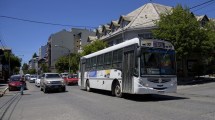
(52, 81)
(37, 81)
(32, 78)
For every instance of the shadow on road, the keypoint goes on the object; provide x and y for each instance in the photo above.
(196, 81)
(152, 97)
(141, 98)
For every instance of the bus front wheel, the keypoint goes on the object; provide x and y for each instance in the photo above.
(117, 90)
(88, 86)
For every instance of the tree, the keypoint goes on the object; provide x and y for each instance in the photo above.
(12, 59)
(44, 68)
(62, 63)
(182, 29)
(93, 47)
(25, 68)
(34, 55)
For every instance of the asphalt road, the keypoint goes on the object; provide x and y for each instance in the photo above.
(190, 103)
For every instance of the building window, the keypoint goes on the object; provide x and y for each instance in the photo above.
(124, 23)
(145, 36)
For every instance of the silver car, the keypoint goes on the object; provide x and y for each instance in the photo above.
(52, 81)
(37, 81)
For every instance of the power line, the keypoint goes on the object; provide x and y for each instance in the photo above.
(2, 44)
(201, 4)
(204, 6)
(47, 23)
(2, 39)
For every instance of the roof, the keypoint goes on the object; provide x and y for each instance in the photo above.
(146, 15)
(106, 27)
(114, 23)
(92, 38)
(200, 18)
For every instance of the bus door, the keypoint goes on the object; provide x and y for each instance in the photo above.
(82, 71)
(128, 66)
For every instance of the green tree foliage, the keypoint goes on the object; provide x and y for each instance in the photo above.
(25, 68)
(62, 63)
(34, 55)
(12, 59)
(93, 47)
(32, 71)
(44, 68)
(183, 30)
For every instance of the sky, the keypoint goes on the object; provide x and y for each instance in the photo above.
(25, 38)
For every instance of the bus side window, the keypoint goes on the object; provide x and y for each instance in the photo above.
(94, 62)
(87, 64)
(108, 60)
(100, 62)
(117, 59)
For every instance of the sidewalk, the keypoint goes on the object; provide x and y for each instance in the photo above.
(3, 89)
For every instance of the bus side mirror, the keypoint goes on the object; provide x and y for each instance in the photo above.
(138, 52)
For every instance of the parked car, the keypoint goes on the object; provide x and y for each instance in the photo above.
(14, 82)
(37, 81)
(52, 81)
(71, 79)
(32, 78)
(64, 75)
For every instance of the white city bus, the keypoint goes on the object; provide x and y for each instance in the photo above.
(134, 66)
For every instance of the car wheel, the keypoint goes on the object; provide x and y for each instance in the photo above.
(63, 89)
(117, 90)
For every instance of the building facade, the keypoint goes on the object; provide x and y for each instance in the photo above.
(33, 63)
(65, 42)
(42, 51)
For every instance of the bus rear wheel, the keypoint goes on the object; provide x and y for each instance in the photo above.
(117, 90)
(88, 86)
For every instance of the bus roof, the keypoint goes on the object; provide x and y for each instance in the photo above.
(166, 45)
(115, 47)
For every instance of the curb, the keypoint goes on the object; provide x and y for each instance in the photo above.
(2, 93)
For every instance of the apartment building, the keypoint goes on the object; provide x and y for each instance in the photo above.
(42, 51)
(65, 42)
(33, 63)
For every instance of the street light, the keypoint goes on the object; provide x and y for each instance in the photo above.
(68, 50)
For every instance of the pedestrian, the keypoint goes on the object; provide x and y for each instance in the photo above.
(22, 80)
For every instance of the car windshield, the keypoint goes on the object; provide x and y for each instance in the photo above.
(52, 76)
(158, 62)
(15, 78)
(72, 76)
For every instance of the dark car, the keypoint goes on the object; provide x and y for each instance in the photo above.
(14, 82)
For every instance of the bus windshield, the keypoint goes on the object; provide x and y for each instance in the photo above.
(157, 62)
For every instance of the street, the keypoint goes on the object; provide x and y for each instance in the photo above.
(193, 102)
